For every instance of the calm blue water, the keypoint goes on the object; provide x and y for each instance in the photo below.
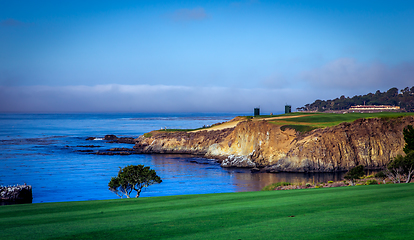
(43, 150)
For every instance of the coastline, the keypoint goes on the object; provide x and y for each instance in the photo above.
(50, 153)
(259, 144)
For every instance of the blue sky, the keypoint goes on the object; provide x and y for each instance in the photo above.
(199, 56)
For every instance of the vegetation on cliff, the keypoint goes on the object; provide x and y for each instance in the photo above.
(409, 139)
(402, 167)
(404, 99)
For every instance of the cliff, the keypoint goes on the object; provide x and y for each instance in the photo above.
(370, 142)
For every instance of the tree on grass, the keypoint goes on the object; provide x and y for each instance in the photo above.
(133, 177)
(354, 173)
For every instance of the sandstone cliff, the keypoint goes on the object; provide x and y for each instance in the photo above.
(371, 142)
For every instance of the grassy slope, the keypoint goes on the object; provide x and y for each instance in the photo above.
(309, 121)
(361, 212)
(321, 120)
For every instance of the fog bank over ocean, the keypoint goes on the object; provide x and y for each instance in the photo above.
(144, 98)
(150, 98)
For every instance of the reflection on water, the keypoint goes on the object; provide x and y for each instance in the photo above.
(180, 166)
(260, 180)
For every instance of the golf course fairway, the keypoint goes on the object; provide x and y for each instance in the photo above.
(359, 212)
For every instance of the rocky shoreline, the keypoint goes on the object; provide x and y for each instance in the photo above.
(266, 147)
(16, 194)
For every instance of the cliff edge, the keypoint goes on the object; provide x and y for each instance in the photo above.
(258, 143)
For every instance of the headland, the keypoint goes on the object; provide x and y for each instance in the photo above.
(296, 142)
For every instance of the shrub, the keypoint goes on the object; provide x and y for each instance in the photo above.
(354, 173)
(147, 135)
(330, 181)
(298, 128)
(381, 176)
(272, 186)
(338, 184)
(408, 133)
(371, 182)
(318, 186)
(308, 184)
(367, 176)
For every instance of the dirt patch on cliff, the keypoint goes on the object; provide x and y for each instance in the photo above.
(233, 123)
(226, 125)
(282, 117)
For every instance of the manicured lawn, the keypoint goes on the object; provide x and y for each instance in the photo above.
(360, 212)
(308, 121)
(321, 120)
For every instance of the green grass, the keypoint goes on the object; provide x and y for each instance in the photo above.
(360, 212)
(310, 121)
(147, 135)
(287, 114)
(321, 120)
(299, 128)
(182, 129)
(176, 130)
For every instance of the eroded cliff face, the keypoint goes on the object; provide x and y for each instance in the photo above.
(371, 142)
(180, 142)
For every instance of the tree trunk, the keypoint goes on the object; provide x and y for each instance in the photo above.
(126, 193)
(138, 192)
(410, 175)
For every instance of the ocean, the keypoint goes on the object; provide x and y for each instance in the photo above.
(51, 153)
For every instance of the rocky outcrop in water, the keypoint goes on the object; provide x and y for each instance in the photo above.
(16, 194)
(114, 139)
(370, 142)
(238, 161)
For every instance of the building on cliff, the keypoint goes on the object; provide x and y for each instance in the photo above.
(288, 108)
(373, 108)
